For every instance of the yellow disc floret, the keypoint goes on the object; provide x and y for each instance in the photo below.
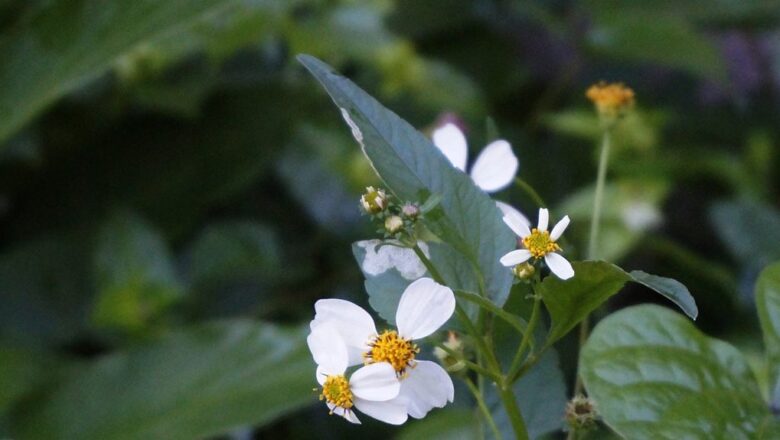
(611, 100)
(393, 349)
(539, 243)
(336, 390)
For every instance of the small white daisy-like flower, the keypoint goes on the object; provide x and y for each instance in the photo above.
(495, 167)
(424, 307)
(539, 243)
(370, 389)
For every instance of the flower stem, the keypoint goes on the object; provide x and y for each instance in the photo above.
(595, 226)
(483, 408)
(527, 337)
(528, 189)
(513, 411)
(601, 178)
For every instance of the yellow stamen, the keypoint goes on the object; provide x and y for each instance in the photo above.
(540, 244)
(391, 348)
(336, 390)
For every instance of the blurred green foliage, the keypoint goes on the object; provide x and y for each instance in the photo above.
(174, 187)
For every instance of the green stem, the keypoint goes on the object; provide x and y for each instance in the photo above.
(595, 226)
(471, 365)
(527, 336)
(601, 178)
(513, 411)
(483, 408)
(428, 264)
(528, 189)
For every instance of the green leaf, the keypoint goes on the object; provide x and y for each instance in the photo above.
(654, 375)
(21, 372)
(672, 289)
(389, 268)
(191, 384)
(768, 305)
(135, 278)
(594, 282)
(67, 43)
(570, 301)
(467, 219)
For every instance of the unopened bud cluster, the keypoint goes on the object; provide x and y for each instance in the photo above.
(394, 219)
(581, 413)
(612, 101)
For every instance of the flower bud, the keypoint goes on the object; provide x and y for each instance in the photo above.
(410, 210)
(581, 413)
(451, 363)
(373, 201)
(524, 271)
(394, 224)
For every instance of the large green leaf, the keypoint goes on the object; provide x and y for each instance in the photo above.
(134, 272)
(68, 43)
(768, 305)
(191, 384)
(654, 375)
(570, 301)
(594, 282)
(449, 424)
(467, 219)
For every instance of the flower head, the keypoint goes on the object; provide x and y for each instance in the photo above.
(374, 200)
(495, 167)
(370, 389)
(539, 243)
(394, 224)
(581, 413)
(611, 100)
(424, 307)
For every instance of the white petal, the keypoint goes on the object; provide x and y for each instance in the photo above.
(515, 257)
(559, 266)
(495, 167)
(427, 386)
(517, 226)
(424, 307)
(346, 413)
(561, 226)
(350, 321)
(376, 382)
(544, 219)
(516, 216)
(451, 141)
(328, 349)
(393, 411)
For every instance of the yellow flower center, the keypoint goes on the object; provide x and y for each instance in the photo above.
(611, 99)
(336, 390)
(393, 349)
(540, 244)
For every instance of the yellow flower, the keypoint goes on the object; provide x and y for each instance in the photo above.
(611, 100)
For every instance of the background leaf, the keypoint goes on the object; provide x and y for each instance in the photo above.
(228, 373)
(414, 169)
(654, 375)
(68, 43)
(672, 290)
(768, 307)
(135, 277)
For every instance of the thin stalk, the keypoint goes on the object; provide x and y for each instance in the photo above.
(528, 189)
(527, 336)
(428, 264)
(483, 408)
(513, 411)
(595, 226)
(470, 365)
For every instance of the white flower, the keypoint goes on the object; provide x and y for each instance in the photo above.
(539, 243)
(371, 389)
(495, 166)
(424, 307)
